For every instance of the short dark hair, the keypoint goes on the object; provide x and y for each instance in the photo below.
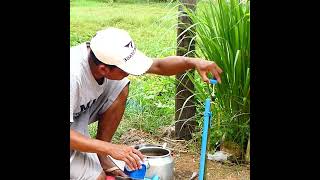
(97, 61)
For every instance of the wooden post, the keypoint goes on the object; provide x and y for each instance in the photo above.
(185, 123)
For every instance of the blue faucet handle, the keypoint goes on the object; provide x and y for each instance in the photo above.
(213, 81)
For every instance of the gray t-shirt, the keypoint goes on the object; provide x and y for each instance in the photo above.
(84, 89)
(87, 97)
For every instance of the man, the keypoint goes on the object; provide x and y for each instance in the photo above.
(98, 92)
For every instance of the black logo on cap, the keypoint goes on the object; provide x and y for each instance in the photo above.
(130, 45)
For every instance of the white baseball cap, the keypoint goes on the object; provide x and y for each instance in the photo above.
(114, 46)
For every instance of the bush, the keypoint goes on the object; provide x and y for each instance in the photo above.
(223, 35)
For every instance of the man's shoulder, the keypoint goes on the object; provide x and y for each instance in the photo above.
(77, 48)
(77, 60)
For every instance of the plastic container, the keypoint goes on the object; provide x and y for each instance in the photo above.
(138, 174)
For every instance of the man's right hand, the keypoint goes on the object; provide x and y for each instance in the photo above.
(128, 154)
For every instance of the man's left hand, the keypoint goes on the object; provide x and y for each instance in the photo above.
(107, 164)
(117, 172)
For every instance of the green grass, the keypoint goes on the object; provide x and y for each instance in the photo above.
(152, 26)
(150, 104)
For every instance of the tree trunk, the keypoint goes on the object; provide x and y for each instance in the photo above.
(185, 121)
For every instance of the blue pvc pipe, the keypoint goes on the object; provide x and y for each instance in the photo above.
(207, 116)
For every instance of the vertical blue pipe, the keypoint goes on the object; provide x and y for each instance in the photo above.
(205, 132)
(207, 116)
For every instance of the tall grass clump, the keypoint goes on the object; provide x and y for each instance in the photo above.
(222, 34)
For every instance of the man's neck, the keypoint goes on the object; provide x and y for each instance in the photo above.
(93, 68)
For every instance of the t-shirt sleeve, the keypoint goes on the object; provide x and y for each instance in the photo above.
(74, 94)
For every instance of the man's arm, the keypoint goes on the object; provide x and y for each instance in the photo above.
(178, 64)
(81, 143)
(129, 155)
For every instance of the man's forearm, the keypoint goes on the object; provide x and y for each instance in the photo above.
(82, 143)
(172, 65)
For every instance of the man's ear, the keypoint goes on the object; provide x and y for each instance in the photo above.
(103, 69)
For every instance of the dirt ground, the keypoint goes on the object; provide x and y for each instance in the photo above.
(186, 162)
